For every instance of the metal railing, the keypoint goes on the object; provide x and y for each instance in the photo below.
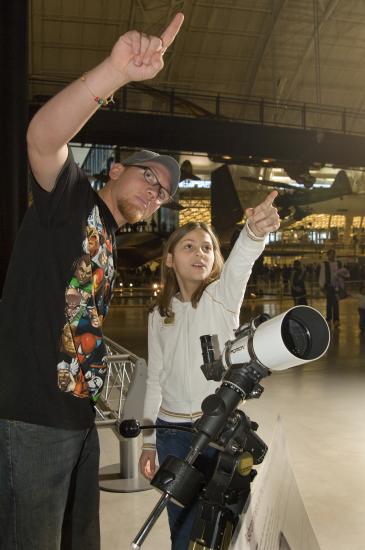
(261, 291)
(240, 108)
(142, 98)
(121, 365)
(123, 394)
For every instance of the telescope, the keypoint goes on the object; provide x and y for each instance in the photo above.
(261, 346)
(292, 338)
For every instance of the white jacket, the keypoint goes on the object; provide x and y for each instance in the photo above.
(176, 386)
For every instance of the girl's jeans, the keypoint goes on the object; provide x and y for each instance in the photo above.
(177, 443)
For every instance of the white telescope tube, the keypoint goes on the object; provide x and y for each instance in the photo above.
(297, 336)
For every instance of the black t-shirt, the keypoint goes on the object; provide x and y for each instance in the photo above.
(56, 295)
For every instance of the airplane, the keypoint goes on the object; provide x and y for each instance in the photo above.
(231, 194)
(299, 203)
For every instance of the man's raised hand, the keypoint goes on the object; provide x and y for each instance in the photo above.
(138, 56)
(264, 218)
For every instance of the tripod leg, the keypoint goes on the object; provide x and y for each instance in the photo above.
(213, 527)
(221, 504)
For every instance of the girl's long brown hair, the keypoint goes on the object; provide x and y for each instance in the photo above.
(169, 282)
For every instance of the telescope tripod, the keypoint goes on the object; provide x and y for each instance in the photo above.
(228, 429)
(223, 499)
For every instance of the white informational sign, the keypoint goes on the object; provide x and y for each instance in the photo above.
(276, 518)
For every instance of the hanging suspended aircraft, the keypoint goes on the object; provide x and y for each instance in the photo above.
(293, 203)
(298, 203)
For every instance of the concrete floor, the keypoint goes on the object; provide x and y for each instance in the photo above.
(322, 407)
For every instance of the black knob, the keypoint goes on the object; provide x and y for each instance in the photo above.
(213, 406)
(129, 428)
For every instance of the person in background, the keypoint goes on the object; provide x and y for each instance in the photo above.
(285, 275)
(329, 284)
(297, 284)
(360, 296)
(342, 273)
(200, 296)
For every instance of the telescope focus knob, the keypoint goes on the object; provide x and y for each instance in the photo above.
(213, 406)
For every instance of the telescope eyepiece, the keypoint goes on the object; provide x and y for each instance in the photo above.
(207, 348)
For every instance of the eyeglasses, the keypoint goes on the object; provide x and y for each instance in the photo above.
(163, 196)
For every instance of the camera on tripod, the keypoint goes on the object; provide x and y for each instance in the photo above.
(261, 346)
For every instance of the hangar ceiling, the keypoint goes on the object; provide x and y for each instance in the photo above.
(302, 50)
(280, 51)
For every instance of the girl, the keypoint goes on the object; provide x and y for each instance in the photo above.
(199, 296)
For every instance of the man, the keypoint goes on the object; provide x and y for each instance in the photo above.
(329, 275)
(55, 298)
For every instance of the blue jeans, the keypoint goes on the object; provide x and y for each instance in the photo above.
(49, 489)
(332, 305)
(177, 443)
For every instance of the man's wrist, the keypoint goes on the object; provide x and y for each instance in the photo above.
(119, 75)
(104, 79)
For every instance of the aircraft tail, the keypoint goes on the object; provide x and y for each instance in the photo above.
(226, 209)
(341, 183)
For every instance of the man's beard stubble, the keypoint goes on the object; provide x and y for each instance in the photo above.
(130, 212)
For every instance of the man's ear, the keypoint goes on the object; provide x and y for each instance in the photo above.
(169, 260)
(116, 169)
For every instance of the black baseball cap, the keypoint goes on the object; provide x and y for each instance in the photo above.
(168, 162)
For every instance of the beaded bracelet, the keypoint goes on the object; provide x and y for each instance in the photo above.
(99, 100)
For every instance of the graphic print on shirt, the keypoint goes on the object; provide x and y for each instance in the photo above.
(81, 367)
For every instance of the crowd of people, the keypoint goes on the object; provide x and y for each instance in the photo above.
(330, 279)
(273, 278)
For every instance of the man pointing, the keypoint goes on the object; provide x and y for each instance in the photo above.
(56, 295)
